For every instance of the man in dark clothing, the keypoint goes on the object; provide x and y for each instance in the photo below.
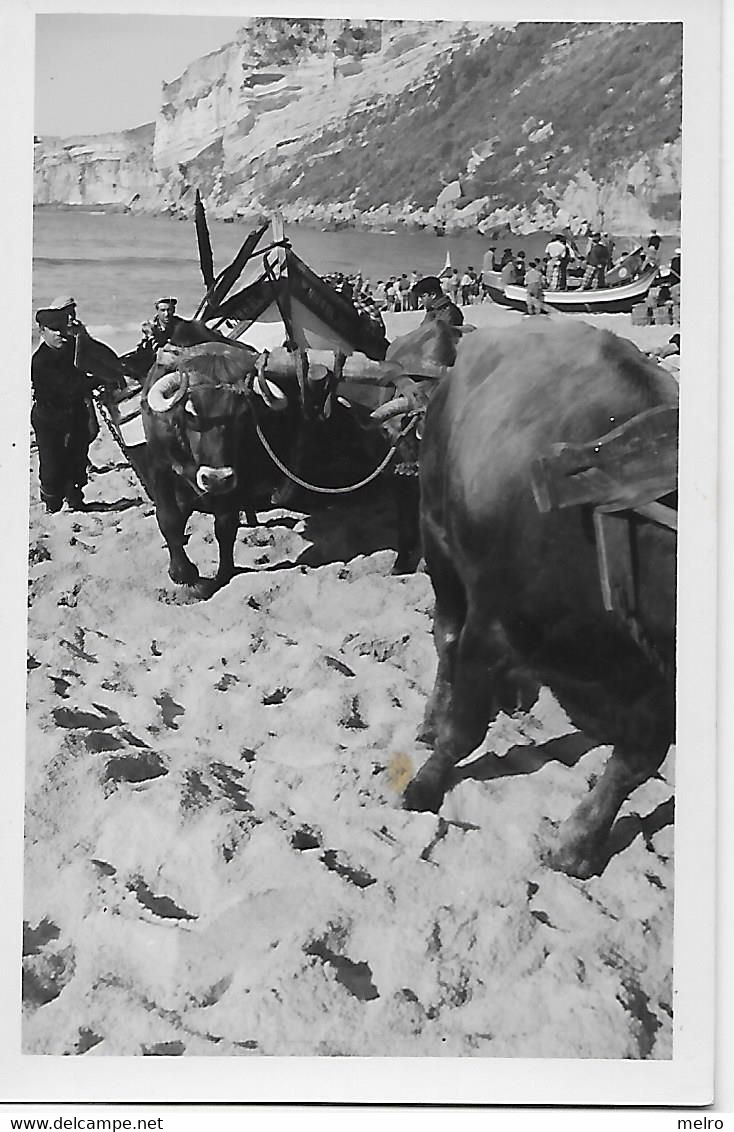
(675, 267)
(156, 333)
(597, 262)
(61, 412)
(508, 274)
(436, 304)
(167, 327)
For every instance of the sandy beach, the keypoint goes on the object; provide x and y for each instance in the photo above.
(217, 861)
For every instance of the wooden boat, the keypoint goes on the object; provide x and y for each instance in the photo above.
(619, 299)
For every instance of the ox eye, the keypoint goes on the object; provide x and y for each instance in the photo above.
(189, 407)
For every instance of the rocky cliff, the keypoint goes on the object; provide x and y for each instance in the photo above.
(101, 169)
(382, 122)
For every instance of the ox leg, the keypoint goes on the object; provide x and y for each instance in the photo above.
(172, 523)
(470, 702)
(406, 493)
(226, 524)
(448, 620)
(583, 838)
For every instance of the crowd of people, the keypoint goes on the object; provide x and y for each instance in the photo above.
(562, 258)
(63, 415)
(398, 292)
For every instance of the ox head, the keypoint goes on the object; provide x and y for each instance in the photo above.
(201, 396)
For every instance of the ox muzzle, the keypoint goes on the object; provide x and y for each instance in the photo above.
(215, 481)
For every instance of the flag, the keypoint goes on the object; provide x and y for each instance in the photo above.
(227, 278)
(206, 259)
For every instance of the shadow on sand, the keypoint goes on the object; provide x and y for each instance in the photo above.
(567, 749)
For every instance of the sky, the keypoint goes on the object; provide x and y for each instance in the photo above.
(96, 73)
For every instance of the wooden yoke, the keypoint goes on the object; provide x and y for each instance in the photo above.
(632, 465)
(623, 474)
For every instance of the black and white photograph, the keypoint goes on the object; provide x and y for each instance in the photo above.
(365, 694)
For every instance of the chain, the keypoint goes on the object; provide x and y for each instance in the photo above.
(114, 433)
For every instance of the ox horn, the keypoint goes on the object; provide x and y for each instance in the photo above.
(390, 409)
(167, 391)
(272, 395)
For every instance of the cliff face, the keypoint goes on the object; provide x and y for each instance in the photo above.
(378, 122)
(101, 169)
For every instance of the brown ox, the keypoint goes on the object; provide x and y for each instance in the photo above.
(517, 591)
(200, 407)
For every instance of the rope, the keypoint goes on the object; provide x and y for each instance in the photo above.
(320, 489)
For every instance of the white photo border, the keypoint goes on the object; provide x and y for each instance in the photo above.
(687, 1078)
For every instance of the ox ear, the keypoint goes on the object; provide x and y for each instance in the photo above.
(167, 391)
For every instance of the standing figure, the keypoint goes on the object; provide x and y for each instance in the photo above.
(653, 247)
(430, 296)
(62, 415)
(468, 281)
(534, 288)
(558, 257)
(597, 262)
(414, 277)
(404, 293)
(675, 267)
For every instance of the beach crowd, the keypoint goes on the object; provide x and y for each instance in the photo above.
(563, 266)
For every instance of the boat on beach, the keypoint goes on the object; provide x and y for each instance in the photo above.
(618, 299)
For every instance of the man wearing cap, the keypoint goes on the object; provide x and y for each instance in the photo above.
(559, 255)
(157, 332)
(61, 407)
(597, 261)
(430, 296)
(165, 327)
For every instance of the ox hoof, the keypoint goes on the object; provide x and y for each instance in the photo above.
(425, 793)
(185, 577)
(574, 860)
(205, 588)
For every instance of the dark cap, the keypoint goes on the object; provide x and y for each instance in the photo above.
(429, 285)
(53, 318)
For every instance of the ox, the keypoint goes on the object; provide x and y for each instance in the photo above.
(518, 592)
(202, 449)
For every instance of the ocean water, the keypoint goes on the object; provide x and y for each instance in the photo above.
(116, 265)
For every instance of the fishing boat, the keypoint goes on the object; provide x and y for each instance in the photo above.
(619, 299)
(624, 290)
(276, 286)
